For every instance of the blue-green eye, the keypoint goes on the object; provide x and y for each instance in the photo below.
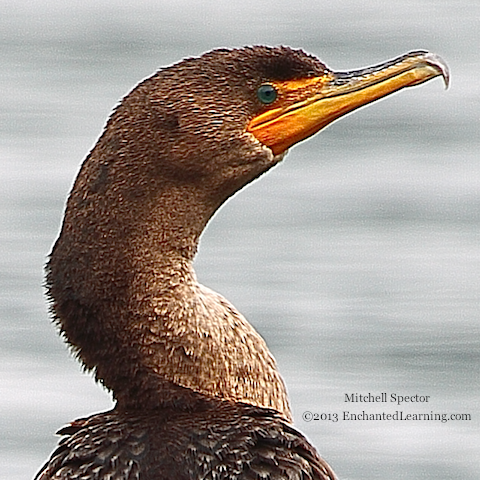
(267, 94)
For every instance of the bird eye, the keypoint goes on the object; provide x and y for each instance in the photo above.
(267, 94)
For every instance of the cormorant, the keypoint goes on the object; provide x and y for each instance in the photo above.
(198, 394)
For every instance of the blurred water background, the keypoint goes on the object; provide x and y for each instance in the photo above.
(358, 258)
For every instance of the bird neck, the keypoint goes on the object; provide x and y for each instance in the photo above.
(126, 297)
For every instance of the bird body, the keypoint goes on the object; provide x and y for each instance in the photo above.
(221, 441)
(198, 393)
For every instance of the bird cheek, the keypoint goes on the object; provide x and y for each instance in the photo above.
(165, 121)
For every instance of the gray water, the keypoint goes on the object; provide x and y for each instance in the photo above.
(357, 258)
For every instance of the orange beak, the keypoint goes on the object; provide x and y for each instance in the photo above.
(305, 106)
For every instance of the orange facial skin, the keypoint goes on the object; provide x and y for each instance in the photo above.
(305, 106)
